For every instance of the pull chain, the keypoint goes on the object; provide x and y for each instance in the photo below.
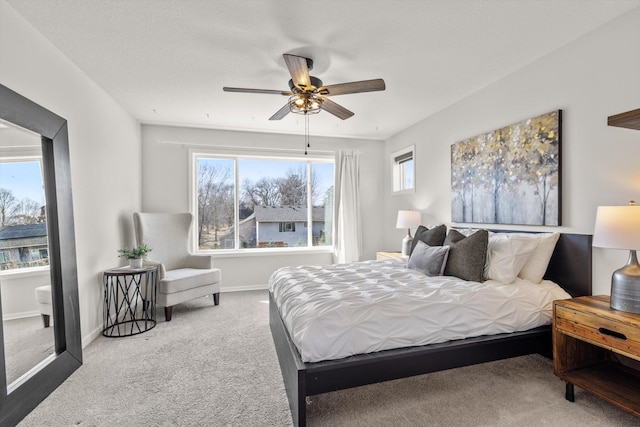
(306, 133)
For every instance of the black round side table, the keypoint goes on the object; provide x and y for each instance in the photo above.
(129, 300)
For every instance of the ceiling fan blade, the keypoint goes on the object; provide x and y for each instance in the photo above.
(281, 112)
(267, 91)
(298, 69)
(335, 109)
(354, 87)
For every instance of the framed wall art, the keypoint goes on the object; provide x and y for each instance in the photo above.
(510, 175)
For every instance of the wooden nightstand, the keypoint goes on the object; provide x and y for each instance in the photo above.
(387, 255)
(597, 349)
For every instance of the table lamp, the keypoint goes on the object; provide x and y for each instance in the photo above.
(618, 227)
(408, 220)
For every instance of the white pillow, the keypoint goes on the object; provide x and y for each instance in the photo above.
(506, 255)
(535, 267)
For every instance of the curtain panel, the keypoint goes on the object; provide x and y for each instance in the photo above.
(348, 245)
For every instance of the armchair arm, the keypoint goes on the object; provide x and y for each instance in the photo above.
(161, 269)
(199, 261)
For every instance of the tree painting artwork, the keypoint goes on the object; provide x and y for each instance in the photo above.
(510, 175)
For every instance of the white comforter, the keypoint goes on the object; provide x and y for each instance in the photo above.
(340, 310)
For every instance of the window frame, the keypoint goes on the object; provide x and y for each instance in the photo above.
(398, 172)
(266, 154)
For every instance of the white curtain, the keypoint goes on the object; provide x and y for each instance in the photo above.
(348, 236)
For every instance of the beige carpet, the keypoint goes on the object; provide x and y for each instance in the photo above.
(216, 366)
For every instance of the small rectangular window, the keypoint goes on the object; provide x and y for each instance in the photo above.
(403, 170)
(287, 227)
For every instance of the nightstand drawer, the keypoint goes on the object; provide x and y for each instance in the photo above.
(599, 329)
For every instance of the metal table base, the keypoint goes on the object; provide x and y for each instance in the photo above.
(129, 301)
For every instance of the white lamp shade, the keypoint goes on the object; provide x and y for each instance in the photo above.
(409, 219)
(617, 227)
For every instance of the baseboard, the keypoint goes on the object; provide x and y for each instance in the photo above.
(244, 288)
(22, 315)
(88, 339)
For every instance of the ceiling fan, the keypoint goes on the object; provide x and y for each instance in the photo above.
(308, 95)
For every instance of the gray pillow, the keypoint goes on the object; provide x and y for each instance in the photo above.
(433, 236)
(467, 255)
(429, 260)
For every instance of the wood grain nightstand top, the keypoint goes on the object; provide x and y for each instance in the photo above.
(392, 254)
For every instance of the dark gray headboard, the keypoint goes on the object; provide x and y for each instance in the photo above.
(571, 264)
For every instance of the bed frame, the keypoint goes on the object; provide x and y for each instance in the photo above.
(570, 267)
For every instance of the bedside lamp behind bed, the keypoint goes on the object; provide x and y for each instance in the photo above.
(408, 220)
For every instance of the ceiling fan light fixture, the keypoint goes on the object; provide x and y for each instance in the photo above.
(308, 95)
(305, 103)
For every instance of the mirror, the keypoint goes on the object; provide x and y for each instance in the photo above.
(22, 389)
(24, 253)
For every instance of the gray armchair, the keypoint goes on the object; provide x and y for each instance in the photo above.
(182, 276)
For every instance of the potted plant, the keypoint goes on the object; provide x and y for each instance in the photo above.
(135, 255)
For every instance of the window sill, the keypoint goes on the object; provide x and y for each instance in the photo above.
(238, 253)
(407, 191)
(25, 272)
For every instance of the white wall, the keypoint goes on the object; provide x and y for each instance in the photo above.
(593, 77)
(18, 291)
(104, 149)
(165, 161)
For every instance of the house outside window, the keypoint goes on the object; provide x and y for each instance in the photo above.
(243, 202)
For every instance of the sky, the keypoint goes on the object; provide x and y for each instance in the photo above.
(256, 169)
(24, 179)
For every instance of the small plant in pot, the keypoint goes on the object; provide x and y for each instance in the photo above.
(135, 255)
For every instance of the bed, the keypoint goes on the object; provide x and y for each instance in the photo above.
(569, 267)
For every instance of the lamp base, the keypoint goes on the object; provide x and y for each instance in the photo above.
(406, 245)
(625, 286)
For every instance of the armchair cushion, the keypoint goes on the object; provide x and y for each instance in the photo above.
(181, 279)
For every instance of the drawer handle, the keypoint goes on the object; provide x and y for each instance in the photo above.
(612, 333)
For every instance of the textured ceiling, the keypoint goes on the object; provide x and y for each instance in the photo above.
(166, 61)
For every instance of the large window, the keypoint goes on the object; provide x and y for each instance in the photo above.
(243, 202)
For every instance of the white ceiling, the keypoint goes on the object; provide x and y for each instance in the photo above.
(166, 61)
